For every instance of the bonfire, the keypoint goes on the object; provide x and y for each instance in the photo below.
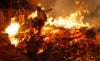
(60, 39)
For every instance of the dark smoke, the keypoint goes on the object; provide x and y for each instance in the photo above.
(60, 7)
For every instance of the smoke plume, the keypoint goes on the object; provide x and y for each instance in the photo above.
(66, 7)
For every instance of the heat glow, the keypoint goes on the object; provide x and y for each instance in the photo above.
(12, 30)
(74, 20)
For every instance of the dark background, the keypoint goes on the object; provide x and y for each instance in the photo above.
(5, 4)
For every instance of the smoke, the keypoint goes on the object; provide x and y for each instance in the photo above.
(66, 7)
(94, 16)
(60, 7)
(32, 2)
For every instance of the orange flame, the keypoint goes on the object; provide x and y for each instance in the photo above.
(72, 21)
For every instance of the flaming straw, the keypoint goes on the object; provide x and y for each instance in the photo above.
(33, 15)
(12, 30)
(72, 21)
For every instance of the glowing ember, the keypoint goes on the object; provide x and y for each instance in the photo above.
(12, 30)
(72, 21)
(49, 30)
(14, 41)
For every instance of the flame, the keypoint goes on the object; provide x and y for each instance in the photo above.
(12, 30)
(14, 41)
(75, 20)
(33, 15)
(48, 30)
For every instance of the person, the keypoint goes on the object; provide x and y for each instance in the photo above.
(41, 18)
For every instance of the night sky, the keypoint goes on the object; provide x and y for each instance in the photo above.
(4, 3)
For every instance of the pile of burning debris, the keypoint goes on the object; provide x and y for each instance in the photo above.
(59, 44)
(49, 39)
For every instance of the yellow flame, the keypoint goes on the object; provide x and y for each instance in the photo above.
(75, 20)
(12, 30)
(40, 51)
(33, 15)
(14, 41)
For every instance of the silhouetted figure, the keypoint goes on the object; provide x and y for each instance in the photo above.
(40, 20)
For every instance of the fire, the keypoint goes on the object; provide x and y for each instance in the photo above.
(33, 15)
(14, 41)
(48, 30)
(70, 27)
(75, 20)
(12, 30)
